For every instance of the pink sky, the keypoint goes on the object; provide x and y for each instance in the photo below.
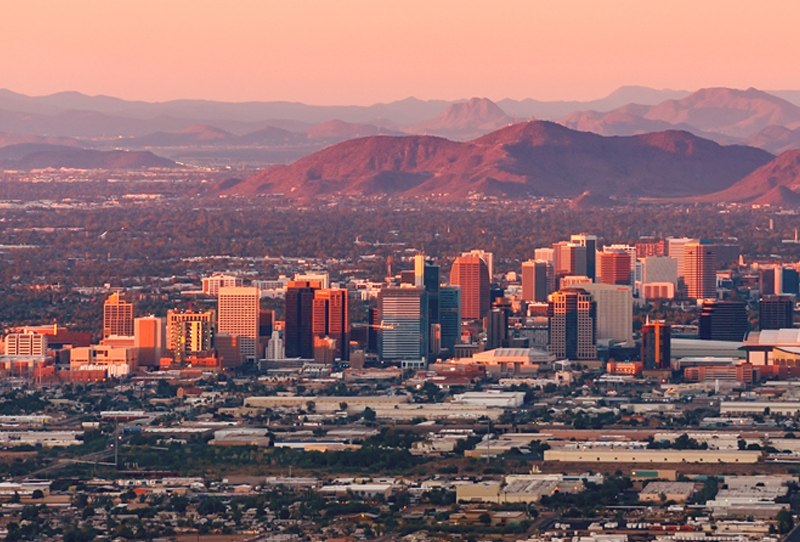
(366, 51)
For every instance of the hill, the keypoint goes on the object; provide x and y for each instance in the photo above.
(720, 113)
(27, 156)
(535, 158)
(775, 183)
(464, 121)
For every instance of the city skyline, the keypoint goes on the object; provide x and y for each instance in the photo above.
(356, 52)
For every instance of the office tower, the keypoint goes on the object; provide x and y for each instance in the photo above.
(700, 270)
(496, 328)
(435, 340)
(322, 278)
(426, 275)
(148, 340)
(298, 335)
(569, 259)
(675, 249)
(649, 247)
(450, 317)
(615, 267)
(404, 328)
(487, 257)
(766, 281)
(237, 316)
(189, 333)
(419, 270)
(408, 277)
(656, 340)
(659, 269)
(723, 321)
(590, 243)
(545, 254)
(472, 274)
(571, 315)
(275, 349)
(534, 281)
(117, 317)
(496, 293)
(776, 312)
(330, 318)
(212, 284)
(790, 281)
(614, 312)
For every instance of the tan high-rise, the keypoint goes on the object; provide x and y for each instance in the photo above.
(117, 317)
(237, 316)
(471, 273)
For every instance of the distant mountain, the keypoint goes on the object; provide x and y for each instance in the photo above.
(27, 156)
(268, 136)
(528, 159)
(720, 113)
(16, 139)
(339, 130)
(197, 134)
(535, 109)
(464, 121)
(775, 139)
(776, 183)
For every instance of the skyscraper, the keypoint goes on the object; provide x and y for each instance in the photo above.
(148, 339)
(570, 259)
(299, 315)
(534, 281)
(614, 312)
(471, 273)
(656, 340)
(117, 317)
(571, 317)
(723, 320)
(331, 319)
(189, 333)
(776, 312)
(590, 243)
(212, 284)
(450, 316)
(404, 327)
(675, 249)
(700, 268)
(237, 316)
(615, 267)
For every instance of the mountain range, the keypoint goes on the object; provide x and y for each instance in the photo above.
(536, 158)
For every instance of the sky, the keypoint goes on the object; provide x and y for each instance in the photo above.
(367, 51)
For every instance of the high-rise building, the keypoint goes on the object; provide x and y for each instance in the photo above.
(675, 249)
(496, 328)
(534, 281)
(650, 247)
(614, 312)
(656, 342)
(569, 259)
(471, 273)
(571, 317)
(723, 320)
(322, 278)
(450, 317)
(299, 315)
(615, 267)
(700, 270)
(404, 327)
(776, 312)
(237, 316)
(659, 269)
(590, 243)
(766, 281)
(117, 317)
(790, 281)
(148, 340)
(212, 284)
(189, 333)
(487, 257)
(275, 349)
(26, 344)
(331, 319)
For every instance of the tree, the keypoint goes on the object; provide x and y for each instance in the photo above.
(37, 494)
(369, 415)
(485, 518)
(785, 521)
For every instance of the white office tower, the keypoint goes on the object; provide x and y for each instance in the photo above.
(323, 278)
(275, 349)
(237, 316)
(614, 312)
